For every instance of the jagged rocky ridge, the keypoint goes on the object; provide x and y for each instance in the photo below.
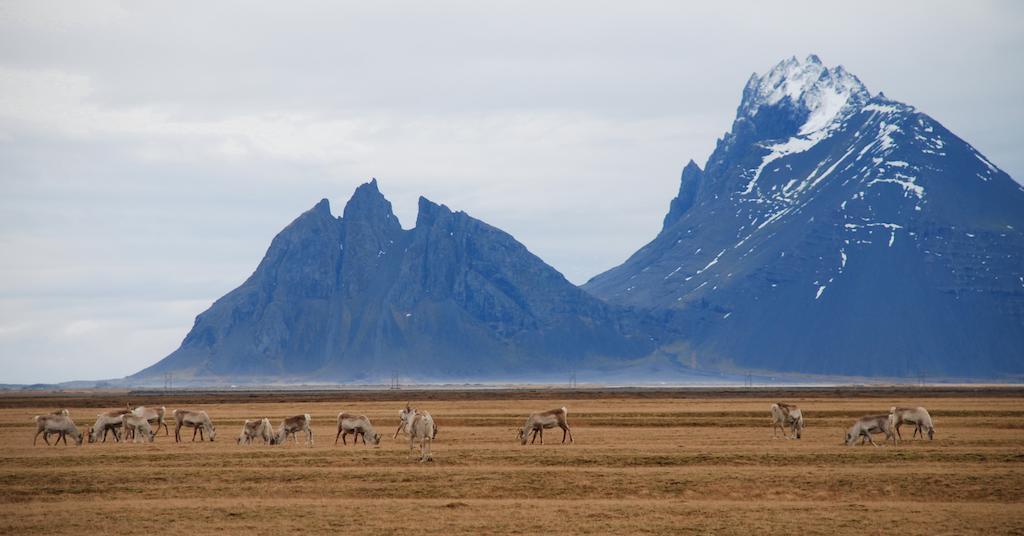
(835, 232)
(357, 298)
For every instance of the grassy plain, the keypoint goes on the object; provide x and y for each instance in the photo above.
(662, 462)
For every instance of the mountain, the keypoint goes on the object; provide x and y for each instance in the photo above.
(359, 298)
(837, 232)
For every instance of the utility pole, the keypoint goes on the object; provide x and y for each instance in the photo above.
(395, 384)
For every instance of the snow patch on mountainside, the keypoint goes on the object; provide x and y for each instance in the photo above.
(826, 96)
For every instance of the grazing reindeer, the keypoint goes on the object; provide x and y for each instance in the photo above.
(56, 424)
(918, 416)
(405, 421)
(138, 426)
(46, 435)
(537, 422)
(107, 422)
(871, 424)
(357, 426)
(784, 415)
(155, 416)
(256, 429)
(292, 426)
(197, 420)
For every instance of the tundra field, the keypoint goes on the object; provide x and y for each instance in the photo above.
(644, 461)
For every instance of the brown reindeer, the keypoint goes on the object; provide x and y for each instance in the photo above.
(537, 422)
(197, 420)
(358, 426)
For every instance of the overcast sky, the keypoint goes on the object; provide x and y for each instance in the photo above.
(149, 151)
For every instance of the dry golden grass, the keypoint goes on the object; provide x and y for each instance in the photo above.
(639, 465)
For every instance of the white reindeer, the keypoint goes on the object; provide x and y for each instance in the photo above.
(405, 421)
(256, 429)
(46, 435)
(537, 422)
(138, 426)
(155, 416)
(784, 415)
(867, 425)
(918, 416)
(107, 422)
(421, 428)
(56, 424)
(357, 425)
(292, 426)
(199, 421)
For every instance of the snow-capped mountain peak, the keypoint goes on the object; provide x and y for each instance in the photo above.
(833, 232)
(818, 94)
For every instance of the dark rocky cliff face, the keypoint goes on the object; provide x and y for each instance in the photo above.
(358, 297)
(838, 233)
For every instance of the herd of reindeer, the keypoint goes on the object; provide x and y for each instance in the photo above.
(138, 425)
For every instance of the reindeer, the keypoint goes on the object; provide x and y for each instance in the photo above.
(63, 412)
(918, 416)
(198, 420)
(138, 426)
(405, 420)
(256, 429)
(357, 426)
(56, 424)
(537, 422)
(107, 422)
(292, 426)
(421, 427)
(155, 416)
(787, 415)
(867, 425)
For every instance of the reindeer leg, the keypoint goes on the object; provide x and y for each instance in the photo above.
(564, 432)
(65, 438)
(542, 435)
(337, 436)
(177, 433)
(533, 438)
(567, 429)
(37, 437)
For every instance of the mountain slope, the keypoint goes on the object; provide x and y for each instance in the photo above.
(835, 232)
(358, 298)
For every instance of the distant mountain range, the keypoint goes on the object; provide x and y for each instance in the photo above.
(831, 232)
(836, 232)
(357, 298)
